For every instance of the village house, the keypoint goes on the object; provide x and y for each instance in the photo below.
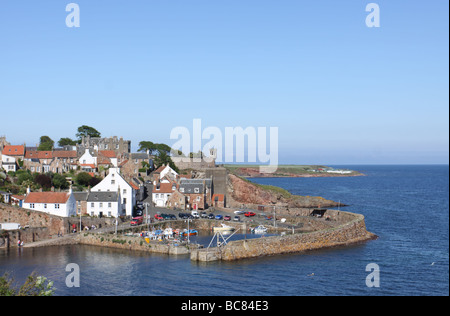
(88, 161)
(5, 197)
(162, 192)
(197, 192)
(164, 172)
(114, 182)
(8, 163)
(177, 199)
(81, 202)
(54, 203)
(38, 161)
(118, 145)
(105, 204)
(136, 165)
(18, 152)
(64, 161)
(11, 156)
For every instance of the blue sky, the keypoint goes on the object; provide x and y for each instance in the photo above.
(339, 92)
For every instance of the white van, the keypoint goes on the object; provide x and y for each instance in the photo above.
(195, 214)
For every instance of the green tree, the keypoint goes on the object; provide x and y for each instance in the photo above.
(43, 180)
(83, 179)
(85, 131)
(162, 158)
(66, 141)
(46, 143)
(23, 177)
(154, 148)
(59, 181)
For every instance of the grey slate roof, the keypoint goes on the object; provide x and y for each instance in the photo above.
(188, 186)
(80, 196)
(103, 197)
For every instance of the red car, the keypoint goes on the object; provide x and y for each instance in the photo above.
(249, 214)
(137, 221)
(159, 217)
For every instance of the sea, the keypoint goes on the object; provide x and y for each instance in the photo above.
(406, 206)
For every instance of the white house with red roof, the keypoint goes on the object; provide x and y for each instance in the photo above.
(114, 182)
(162, 192)
(55, 203)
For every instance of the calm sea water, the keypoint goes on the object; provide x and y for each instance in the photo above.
(406, 206)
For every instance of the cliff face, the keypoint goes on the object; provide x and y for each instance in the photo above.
(242, 191)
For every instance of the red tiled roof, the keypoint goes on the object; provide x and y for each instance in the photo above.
(103, 161)
(14, 150)
(108, 153)
(47, 197)
(134, 186)
(88, 165)
(163, 188)
(39, 154)
(123, 163)
(160, 169)
(65, 154)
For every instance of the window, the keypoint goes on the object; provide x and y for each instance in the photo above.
(45, 205)
(198, 198)
(92, 204)
(124, 191)
(109, 214)
(196, 190)
(32, 205)
(182, 190)
(109, 206)
(101, 205)
(57, 206)
(113, 182)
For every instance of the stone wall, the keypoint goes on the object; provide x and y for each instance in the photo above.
(131, 243)
(38, 226)
(349, 233)
(33, 219)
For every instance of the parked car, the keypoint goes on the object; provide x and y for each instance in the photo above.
(237, 219)
(203, 215)
(211, 216)
(219, 217)
(239, 212)
(158, 217)
(136, 221)
(227, 218)
(249, 214)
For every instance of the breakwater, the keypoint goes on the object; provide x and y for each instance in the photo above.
(351, 232)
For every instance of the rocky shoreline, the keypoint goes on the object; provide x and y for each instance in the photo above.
(242, 192)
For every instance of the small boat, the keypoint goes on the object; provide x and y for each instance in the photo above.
(190, 232)
(259, 230)
(223, 228)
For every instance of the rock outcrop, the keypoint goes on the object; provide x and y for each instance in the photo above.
(243, 192)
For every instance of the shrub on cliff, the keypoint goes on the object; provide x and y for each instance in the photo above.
(33, 286)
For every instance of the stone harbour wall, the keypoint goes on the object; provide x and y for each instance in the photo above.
(351, 232)
(130, 243)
